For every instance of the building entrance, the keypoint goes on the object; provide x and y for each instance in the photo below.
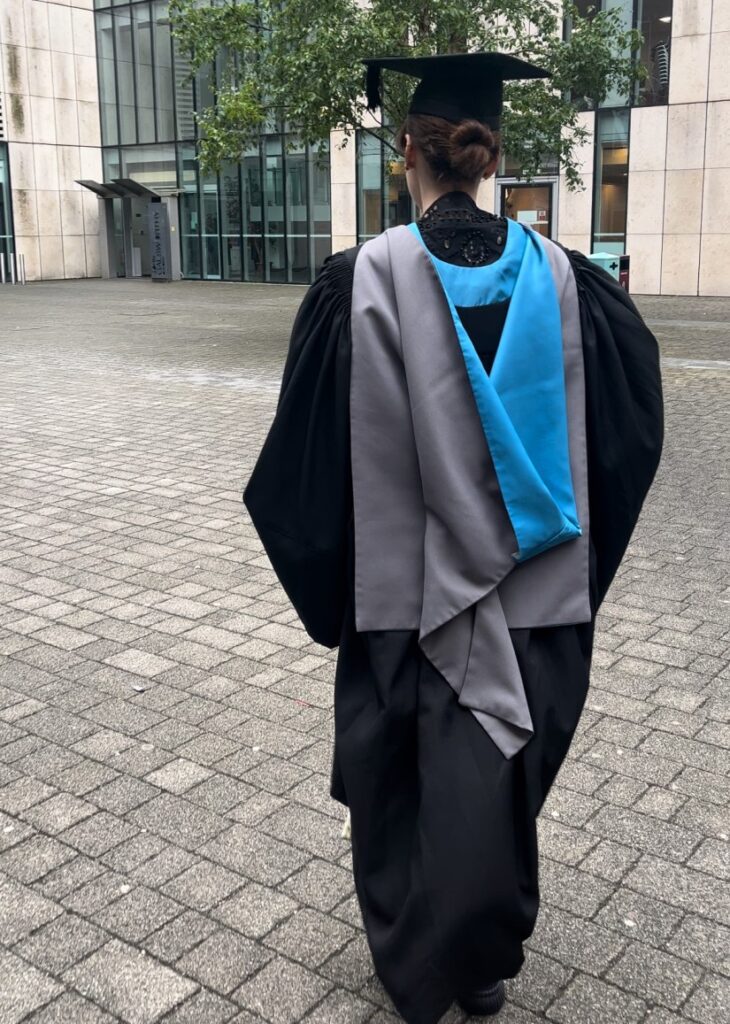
(530, 204)
(138, 230)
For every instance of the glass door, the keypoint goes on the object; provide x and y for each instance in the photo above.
(530, 204)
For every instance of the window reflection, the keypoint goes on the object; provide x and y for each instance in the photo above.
(125, 76)
(611, 181)
(189, 211)
(654, 20)
(383, 200)
(230, 192)
(142, 27)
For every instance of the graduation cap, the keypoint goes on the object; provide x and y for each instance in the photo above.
(454, 86)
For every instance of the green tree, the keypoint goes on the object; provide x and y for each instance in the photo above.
(297, 62)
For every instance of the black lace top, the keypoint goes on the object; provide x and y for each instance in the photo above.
(457, 231)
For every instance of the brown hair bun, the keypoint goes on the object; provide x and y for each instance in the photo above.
(457, 153)
(471, 146)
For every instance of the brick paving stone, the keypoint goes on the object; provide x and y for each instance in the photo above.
(538, 983)
(203, 1008)
(98, 833)
(177, 820)
(713, 856)
(571, 889)
(658, 976)
(319, 884)
(137, 913)
(709, 1003)
(61, 943)
(704, 942)
(590, 1001)
(575, 943)
(34, 857)
(70, 1007)
(203, 885)
(282, 992)
(309, 937)
(223, 960)
(644, 832)
(638, 917)
(340, 1008)
(179, 936)
(256, 856)
(22, 911)
(23, 988)
(255, 910)
(610, 860)
(128, 983)
(682, 887)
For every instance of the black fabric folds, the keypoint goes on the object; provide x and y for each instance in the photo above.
(624, 413)
(299, 495)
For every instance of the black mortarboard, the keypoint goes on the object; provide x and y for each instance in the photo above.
(454, 86)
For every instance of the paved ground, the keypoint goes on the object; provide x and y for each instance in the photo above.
(168, 848)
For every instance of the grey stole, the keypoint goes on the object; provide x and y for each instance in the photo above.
(433, 541)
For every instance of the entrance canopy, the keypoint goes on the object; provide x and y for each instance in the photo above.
(119, 188)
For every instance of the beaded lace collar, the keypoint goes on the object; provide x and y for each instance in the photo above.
(457, 231)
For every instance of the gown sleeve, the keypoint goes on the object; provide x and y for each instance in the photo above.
(299, 495)
(624, 413)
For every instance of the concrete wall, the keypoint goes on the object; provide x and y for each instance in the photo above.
(50, 97)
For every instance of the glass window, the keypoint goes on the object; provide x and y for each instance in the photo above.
(230, 192)
(164, 88)
(209, 220)
(6, 210)
(253, 216)
(142, 30)
(320, 209)
(610, 188)
(654, 20)
(369, 190)
(397, 205)
(274, 227)
(184, 96)
(153, 166)
(297, 214)
(107, 79)
(189, 202)
(125, 75)
(383, 200)
(111, 164)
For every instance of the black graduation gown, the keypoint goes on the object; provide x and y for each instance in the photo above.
(444, 833)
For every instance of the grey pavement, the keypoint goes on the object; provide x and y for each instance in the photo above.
(168, 848)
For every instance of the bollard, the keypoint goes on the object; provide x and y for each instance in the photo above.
(21, 257)
(2, 268)
(11, 261)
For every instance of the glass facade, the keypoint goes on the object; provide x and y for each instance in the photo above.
(382, 194)
(653, 18)
(6, 210)
(611, 181)
(265, 218)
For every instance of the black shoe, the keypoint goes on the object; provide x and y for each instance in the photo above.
(485, 1002)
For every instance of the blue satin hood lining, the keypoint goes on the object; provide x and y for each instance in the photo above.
(521, 403)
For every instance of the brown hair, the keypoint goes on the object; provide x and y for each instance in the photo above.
(454, 152)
